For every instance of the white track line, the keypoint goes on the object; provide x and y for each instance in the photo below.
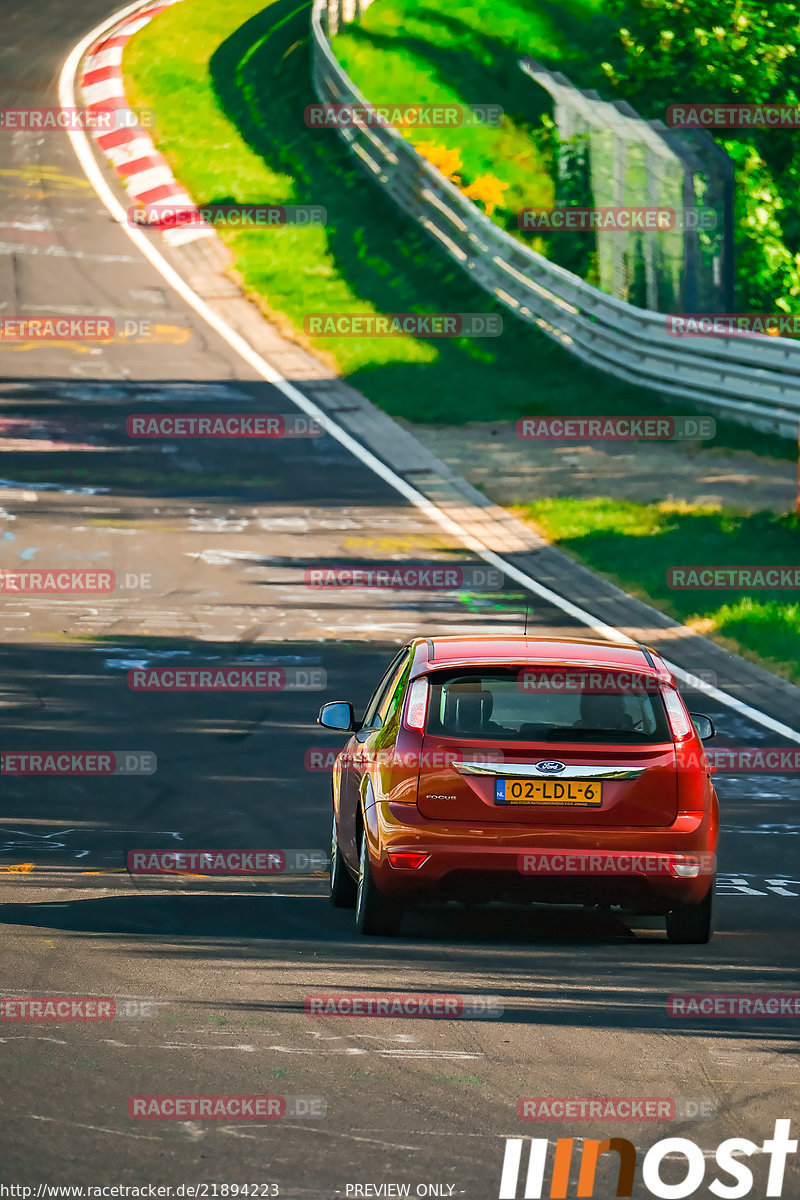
(82, 148)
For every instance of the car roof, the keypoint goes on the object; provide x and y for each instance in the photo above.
(502, 649)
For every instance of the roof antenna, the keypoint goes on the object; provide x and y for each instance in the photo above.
(527, 612)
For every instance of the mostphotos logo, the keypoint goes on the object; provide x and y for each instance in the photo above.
(688, 1158)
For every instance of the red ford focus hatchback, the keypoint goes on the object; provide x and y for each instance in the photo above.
(527, 770)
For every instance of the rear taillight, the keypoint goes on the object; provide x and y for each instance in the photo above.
(417, 704)
(408, 860)
(679, 720)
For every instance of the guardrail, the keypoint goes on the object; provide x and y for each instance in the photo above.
(749, 378)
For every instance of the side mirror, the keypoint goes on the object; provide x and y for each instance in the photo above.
(703, 725)
(338, 714)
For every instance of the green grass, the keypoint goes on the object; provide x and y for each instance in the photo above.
(230, 84)
(635, 545)
(432, 51)
(412, 54)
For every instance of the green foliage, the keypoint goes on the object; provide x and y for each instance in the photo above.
(768, 272)
(719, 50)
(726, 51)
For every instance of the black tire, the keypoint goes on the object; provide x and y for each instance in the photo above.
(374, 913)
(342, 884)
(693, 924)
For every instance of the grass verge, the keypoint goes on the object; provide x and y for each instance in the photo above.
(635, 545)
(230, 85)
(432, 51)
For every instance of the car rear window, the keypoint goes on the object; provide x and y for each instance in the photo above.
(528, 704)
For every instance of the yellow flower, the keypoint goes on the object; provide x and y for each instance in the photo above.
(446, 161)
(488, 190)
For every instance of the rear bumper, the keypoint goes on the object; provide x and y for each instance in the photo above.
(477, 864)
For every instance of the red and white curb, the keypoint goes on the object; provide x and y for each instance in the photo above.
(144, 172)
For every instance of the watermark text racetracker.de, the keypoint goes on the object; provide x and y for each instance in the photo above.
(44, 581)
(135, 1191)
(744, 760)
(222, 425)
(581, 681)
(224, 1107)
(95, 117)
(224, 861)
(615, 219)
(409, 324)
(241, 217)
(756, 760)
(78, 762)
(734, 1004)
(394, 1004)
(227, 679)
(76, 1008)
(424, 116)
(88, 328)
(426, 577)
(708, 577)
(741, 324)
(733, 116)
(614, 1108)
(322, 758)
(568, 862)
(616, 429)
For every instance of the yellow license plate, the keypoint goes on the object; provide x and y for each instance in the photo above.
(549, 791)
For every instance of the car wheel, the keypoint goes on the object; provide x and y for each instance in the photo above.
(342, 884)
(374, 914)
(692, 924)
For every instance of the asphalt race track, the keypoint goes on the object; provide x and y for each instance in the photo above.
(227, 530)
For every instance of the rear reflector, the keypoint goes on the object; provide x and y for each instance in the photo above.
(407, 860)
(685, 870)
(417, 704)
(679, 721)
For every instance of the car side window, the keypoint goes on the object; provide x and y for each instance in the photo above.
(384, 735)
(393, 695)
(371, 716)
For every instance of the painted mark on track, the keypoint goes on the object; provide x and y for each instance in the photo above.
(779, 829)
(757, 885)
